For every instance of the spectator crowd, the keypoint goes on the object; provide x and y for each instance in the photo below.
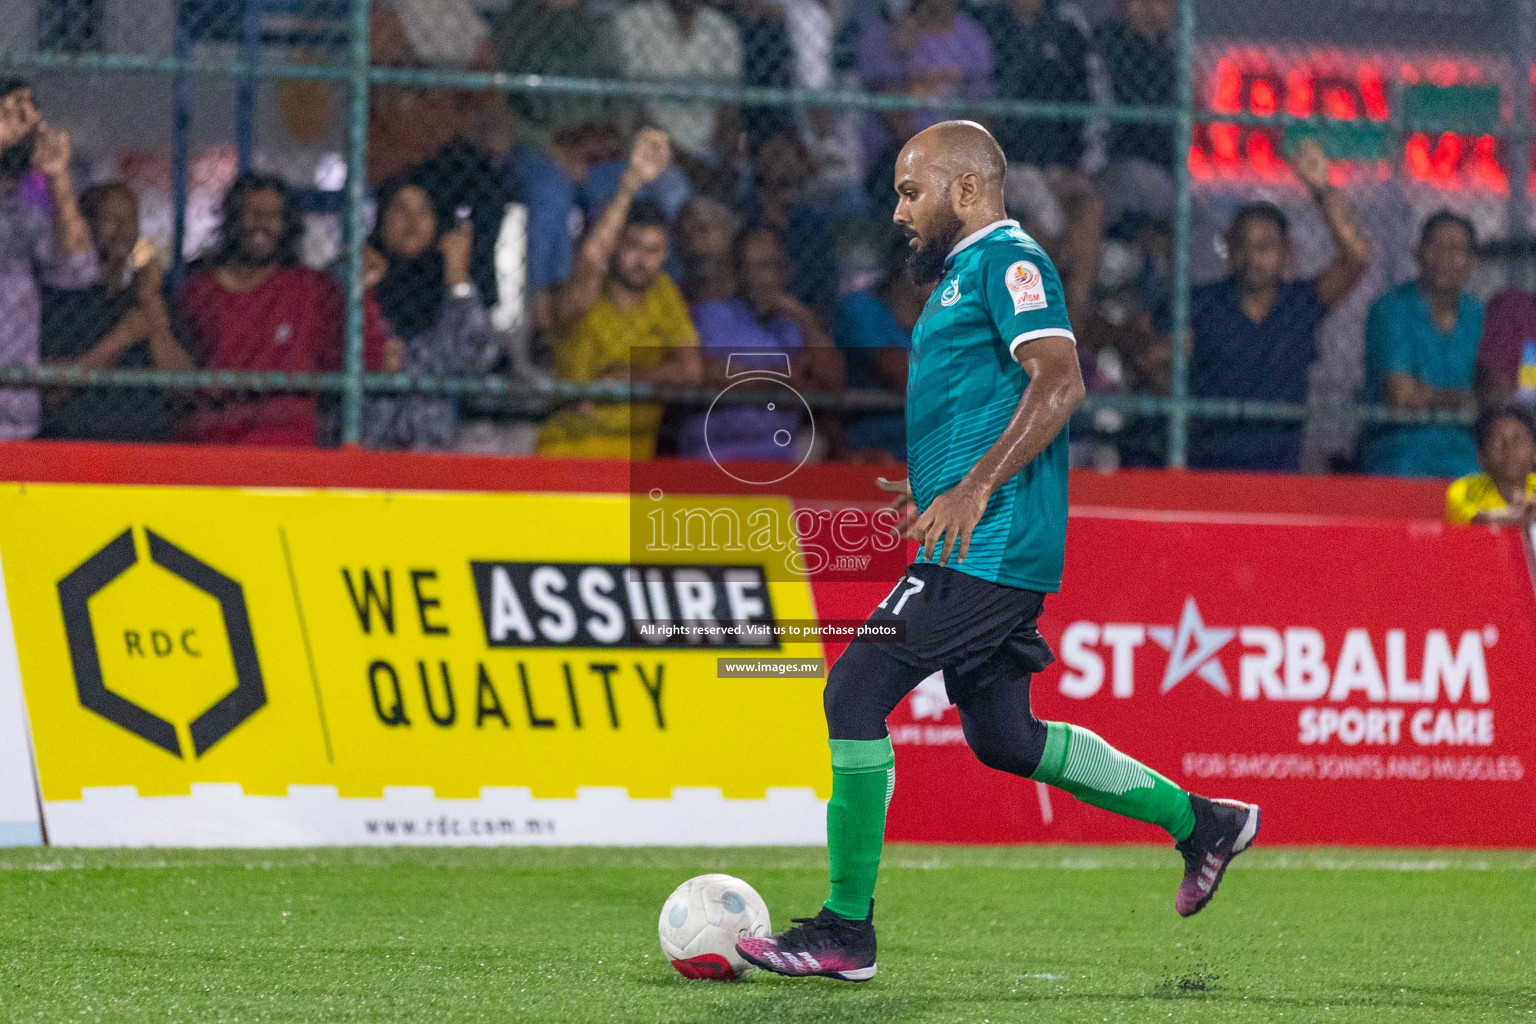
(678, 242)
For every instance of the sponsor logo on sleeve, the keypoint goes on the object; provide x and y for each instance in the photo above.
(1026, 286)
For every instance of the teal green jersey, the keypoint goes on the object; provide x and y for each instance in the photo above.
(999, 290)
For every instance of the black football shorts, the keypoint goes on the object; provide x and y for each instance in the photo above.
(978, 632)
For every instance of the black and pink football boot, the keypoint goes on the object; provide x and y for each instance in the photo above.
(824, 946)
(1223, 829)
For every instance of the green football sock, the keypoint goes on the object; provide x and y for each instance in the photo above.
(1081, 763)
(863, 779)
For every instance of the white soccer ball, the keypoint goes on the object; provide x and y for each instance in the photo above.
(702, 921)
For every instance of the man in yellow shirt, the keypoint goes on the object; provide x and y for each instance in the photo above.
(1505, 491)
(621, 319)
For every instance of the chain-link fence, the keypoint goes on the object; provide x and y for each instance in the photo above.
(1235, 213)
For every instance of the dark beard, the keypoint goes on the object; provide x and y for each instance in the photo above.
(927, 262)
(16, 159)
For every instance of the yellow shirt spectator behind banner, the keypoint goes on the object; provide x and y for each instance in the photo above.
(606, 344)
(1470, 495)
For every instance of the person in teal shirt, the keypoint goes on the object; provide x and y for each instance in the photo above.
(993, 379)
(961, 395)
(1420, 348)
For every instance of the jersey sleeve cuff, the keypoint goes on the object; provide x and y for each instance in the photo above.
(1044, 332)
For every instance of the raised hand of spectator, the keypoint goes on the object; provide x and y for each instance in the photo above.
(1310, 165)
(17, 117)
(1352, 252)
(455, 246)
(51, 156)
(651, 155)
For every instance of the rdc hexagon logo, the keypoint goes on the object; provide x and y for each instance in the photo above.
(154, 652)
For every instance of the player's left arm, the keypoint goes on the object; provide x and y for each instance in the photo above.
(1033, 315)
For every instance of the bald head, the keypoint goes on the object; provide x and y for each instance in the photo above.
(949, 183)
(958, 147)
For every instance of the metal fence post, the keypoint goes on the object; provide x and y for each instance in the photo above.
(357, 194)
(1523, 50)
(245, 102)
(1178, 388)
(181, 147)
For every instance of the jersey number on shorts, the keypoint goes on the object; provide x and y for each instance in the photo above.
(913, 585)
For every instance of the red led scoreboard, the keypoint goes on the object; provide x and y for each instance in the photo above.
(1345, 87)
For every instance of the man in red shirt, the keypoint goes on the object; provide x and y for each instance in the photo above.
(1506, 357)
(250, 305)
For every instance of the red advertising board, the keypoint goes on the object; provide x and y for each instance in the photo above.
(1367, 682)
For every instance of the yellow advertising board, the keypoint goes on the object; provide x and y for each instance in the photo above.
(175, 638)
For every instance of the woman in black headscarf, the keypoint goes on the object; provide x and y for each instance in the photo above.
(432, 307)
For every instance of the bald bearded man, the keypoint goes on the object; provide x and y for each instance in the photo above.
(993, 380)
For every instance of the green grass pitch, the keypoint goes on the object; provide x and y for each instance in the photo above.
(966, 935)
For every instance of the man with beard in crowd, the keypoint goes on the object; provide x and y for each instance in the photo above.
(34, 245)
(250, 305)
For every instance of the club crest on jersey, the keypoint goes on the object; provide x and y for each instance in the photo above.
(1025, 285)
(951, 294)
